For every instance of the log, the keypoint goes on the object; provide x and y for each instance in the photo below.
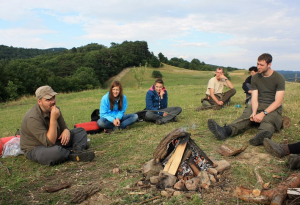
(259, 184)
(57, 188)
(227, 151)
(273, 196)
(194, 167)
(174, 162)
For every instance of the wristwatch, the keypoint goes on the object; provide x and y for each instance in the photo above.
(265, 112)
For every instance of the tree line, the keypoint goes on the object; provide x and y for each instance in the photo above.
(71, 70)
(75, 69)
(195, 64)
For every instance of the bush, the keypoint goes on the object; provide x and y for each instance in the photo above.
(156, 74)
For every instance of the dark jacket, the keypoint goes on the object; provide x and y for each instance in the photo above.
(245, 87)
(154, 102)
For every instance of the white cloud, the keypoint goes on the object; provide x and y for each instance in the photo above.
(244, 29)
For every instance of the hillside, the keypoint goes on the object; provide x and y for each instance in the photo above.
(128, 150)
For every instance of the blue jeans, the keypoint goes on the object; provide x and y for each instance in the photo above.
(124, 122)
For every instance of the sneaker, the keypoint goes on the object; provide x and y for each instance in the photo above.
(81, 156)
(221, 133)
(294, 161)
(277, 150)
(259, 138)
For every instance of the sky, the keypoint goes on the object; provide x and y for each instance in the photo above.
(226, 33)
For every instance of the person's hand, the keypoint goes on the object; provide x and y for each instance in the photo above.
(65, 137)
(162, 94)
(223, 76)
(116, 122)
(259, 117)
(55, 113)
(220, 103)
(165, 114)
(249, 91)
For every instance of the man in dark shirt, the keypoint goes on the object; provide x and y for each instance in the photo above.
(45, 137)
(266, 105)
(247, 84)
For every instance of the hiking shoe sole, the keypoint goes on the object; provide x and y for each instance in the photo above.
(273, 148)
(84, 156)
(294, 161)
(213, 127)
(259, 138)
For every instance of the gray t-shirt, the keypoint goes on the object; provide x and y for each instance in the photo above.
(267, 86)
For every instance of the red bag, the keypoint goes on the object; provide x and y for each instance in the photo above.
(90, 127)
(4, 140)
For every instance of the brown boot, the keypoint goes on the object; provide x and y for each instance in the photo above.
(294, 161)
(277, 150)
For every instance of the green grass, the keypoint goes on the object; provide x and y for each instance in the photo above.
(130, 149)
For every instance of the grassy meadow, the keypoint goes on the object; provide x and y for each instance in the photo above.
(129, 150)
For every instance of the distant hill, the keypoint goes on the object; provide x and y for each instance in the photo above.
(10, 53)
(290, 75)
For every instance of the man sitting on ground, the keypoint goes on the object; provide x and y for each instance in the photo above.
(214, 92)
(247, 84)
(45, 137)
(266, 105)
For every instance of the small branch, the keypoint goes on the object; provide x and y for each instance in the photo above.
(143, 202)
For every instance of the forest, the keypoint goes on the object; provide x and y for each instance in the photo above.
(82, 68)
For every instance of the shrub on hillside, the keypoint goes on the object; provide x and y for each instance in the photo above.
(156, 74)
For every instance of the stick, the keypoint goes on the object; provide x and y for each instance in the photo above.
(143, 202)
(259, 184)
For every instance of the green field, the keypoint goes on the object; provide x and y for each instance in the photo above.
(129, 150)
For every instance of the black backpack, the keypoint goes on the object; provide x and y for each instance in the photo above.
(95, 115)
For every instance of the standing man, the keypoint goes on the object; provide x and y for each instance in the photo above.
(266, 105)
(45, 137)
(214, 92)
(247, 84)
(157, 105)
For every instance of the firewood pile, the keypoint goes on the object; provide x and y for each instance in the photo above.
(179, 164)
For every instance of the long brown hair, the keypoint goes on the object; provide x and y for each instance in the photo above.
(112, 98)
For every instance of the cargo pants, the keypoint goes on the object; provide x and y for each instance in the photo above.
(271, 122)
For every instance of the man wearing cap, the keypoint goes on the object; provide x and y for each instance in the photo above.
(45, 137)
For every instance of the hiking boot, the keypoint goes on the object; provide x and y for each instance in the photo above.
(80, 155)
(277, 150)
(259, 138)
(159, 122)
(174, 119)
(221, 133)
(294, 161)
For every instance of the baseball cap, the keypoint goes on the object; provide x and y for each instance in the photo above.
(45, 92)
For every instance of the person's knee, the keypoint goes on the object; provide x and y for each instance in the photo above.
(53, 156)
(135, 117)
(101, 123)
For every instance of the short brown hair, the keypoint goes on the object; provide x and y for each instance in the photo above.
(219, 68)
(265, 57)
(159, 80)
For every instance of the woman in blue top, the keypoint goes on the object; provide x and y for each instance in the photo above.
(157, 105)
(112, 109)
